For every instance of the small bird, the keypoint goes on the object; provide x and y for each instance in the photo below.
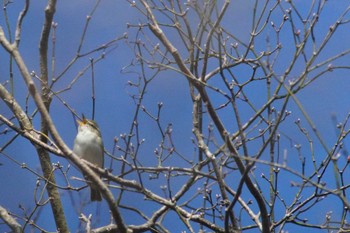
(88, 145)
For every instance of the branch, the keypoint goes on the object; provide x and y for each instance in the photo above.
(57, 138)
(154, 27)
(10, 221)
(209, 37)
(44, 157)
(19, 23)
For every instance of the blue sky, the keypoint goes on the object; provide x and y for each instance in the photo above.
(115, 109)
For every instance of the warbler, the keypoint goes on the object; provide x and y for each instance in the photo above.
(88, 145)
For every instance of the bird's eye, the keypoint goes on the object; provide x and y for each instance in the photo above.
(92, 124)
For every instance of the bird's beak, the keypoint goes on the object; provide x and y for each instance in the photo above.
(83, 121)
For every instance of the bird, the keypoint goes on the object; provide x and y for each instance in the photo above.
(88, 145)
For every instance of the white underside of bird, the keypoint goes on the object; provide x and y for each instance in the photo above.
(87, 146)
